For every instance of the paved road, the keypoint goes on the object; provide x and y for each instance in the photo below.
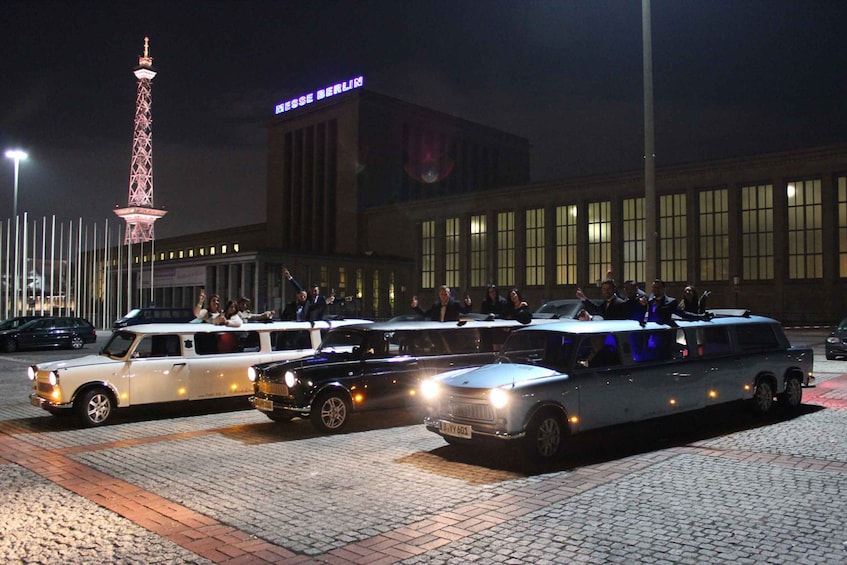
(226, 485)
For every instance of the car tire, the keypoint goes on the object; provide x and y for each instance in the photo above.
(330, 412)
(792, 396)
(763, 397)
(10, 346)
(77, 342)
(545, 435)
(94, 407)
(831, 356)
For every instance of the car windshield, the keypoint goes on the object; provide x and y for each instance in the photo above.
(562, 308)
(118, 344)
(133, 313)
(843, 325)
(546, 349)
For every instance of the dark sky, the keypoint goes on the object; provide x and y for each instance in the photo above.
(731, 78)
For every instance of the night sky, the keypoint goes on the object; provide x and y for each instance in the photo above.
(731, 78)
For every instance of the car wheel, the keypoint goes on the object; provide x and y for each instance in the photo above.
(77, 342)
(545, 435)
(792, 397)
(279, 417)
(763, 397)
(94, 407)
(830, 356)
(330, 412)
(10, 346)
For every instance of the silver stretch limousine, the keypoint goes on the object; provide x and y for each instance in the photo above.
(568, 377)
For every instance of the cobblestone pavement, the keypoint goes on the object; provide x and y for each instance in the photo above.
(225, 485)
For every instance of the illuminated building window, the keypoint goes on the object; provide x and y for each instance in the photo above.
(236, 247)
(757, 232)
(478, 251)
(391, 291)
(535, 247)
(634, 245)
(375, 295)
(566, 249)
(842, 227)
(673, 238)
(162, 256)
(181, 253)
(805, 231)
(212, 250)
(506, 248)
(452, 252)
(223, 248)
(202, 251)
(714, 235)
(342, 280)
(324, 276)
(360, 282)
(599, 239)
(428, 254)
(191, 253)
(171, 254)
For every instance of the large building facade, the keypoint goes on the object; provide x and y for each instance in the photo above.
(380, 200)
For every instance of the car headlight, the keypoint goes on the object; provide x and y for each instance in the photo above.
(429, 389)
(833, 339)
(30, 372)
(54, 378)
(498, 398)
(290, 379)
(251, 374)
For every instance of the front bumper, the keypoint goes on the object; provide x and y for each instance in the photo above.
(270, 405)
(40, 402)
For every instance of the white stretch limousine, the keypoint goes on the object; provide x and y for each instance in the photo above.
(569, 377)
(153, 363)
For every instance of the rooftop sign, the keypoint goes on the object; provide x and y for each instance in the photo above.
(320, 94)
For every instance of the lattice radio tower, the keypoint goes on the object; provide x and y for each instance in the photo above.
(140, 213)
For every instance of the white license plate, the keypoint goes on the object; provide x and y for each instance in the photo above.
(455, 430)
(265, 404)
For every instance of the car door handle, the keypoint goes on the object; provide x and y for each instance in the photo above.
(179, 364)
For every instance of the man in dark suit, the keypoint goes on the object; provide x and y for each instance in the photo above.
(612, 308)
(315, 303)
(660, 306)
(446, 309)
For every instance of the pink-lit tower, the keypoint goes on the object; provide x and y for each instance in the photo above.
(140, 213)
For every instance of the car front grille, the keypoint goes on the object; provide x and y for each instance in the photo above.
(471, 411)
(273, 389)
(43, 387)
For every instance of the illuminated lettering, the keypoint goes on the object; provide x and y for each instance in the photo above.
(320, 94)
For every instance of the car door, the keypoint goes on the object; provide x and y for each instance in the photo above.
(36, 334)
(665, 378)
(218, 367)
(604, 383)
(157, 371)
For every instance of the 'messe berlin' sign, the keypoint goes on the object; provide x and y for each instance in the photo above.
(320, 94)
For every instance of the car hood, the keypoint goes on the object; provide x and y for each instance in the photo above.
(86, 361)
(495, 375)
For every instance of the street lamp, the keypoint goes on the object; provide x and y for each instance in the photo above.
(17, 156)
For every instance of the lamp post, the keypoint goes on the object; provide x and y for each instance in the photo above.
(17, 156)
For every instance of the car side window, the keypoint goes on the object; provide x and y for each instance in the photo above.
(159, 346)
(598, 350)
(713, 342)
(291, 340)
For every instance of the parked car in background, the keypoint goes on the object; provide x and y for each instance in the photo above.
(568, 377)
(375, 366)
(12, 323)
(836, 343)
(49, 331)
(154, 315)
(155, 363)
(566, 308)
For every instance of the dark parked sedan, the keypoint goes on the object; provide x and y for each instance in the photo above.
(59, 331)
(836, 343)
